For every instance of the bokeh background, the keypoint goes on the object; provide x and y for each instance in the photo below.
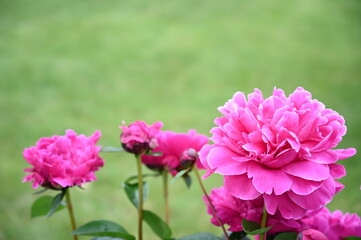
(88, 65)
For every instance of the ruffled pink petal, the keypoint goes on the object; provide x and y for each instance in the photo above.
(287, 208)
(241, 186)
(304, 187)
(317, 198)
(234, 168)
(268, 137)
(256, 148)
(337, 170)
(248, 121)
(267, 180)
(203, 154)
(157, 125)
(328, 141)
(64, 182)
(308, 170)
(324, 157)
(309, 129)
(281, 159)
(219, 157)
(345, 153)
(299, 97)
(289, 121)
(338, 187)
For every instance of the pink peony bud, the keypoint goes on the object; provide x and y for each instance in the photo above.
(139, 137)
(63, 161)
(312, 234)
(188, 158)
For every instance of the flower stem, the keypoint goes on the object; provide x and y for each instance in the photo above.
(166, 198)
(140, 189)
(262, 236)
(69, 206)
(210, 202)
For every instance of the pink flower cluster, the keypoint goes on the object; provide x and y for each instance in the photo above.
(279, 149)
(335, 225)
(316, 226)
(175, 148)
(63, 161)
(232, 210)
(139, 137)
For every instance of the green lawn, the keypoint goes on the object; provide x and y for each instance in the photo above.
(88, 65)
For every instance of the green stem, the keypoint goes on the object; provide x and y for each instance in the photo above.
(166, 196)
(263, 223)
(140, 189)
(210, 202)
(69, 205)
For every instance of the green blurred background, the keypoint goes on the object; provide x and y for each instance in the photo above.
(88, 65)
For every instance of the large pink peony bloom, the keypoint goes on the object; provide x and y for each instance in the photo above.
(232, 210)
(336, 225)
(139, 137)
(280, 149)
(63, 161)
(173, 147)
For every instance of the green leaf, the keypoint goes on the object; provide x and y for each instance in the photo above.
(41, 191)
(179, 175)
(253, 228)
(200, 236)
(42, 205)
(111, 149)
(56, 202)
(286, 236)
(188, 180)
(158, 226)
(238, 236)
(103, 228)
(352, 238)
(133, 193)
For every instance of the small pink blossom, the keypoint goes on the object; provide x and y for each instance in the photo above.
(279, 148)
(336, 225)
(312, 234)
(173, 146)
(63, 161)
(139, 137)
(232, 210)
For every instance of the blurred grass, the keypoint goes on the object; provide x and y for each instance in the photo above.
(89, 65)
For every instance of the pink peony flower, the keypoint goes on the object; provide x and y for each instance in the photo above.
(336, 225)
(173, 147)
(63, 161)
(139, 137)
(312, 234)
(232, 210)
(280, 149)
